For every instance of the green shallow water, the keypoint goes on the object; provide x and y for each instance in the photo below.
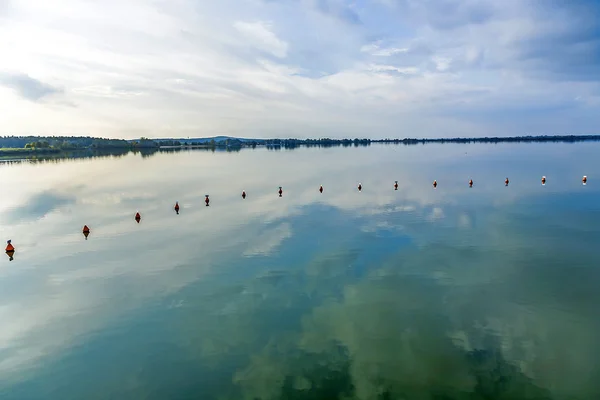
(487, 292)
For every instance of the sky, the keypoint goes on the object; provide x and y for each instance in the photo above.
(299, 68)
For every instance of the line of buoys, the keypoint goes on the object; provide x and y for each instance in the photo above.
(10, 250)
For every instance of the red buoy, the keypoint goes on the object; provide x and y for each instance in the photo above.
(321, 189)
(86, 231)
(177, 207)
(280, 191)
(584, 179)
(138, 217)
(10, 250)
(434, 183)
(206, 200)
(359, 187)
(543, 180)
(396, 185)
(470, 182)
(243, 194)
(506, 182)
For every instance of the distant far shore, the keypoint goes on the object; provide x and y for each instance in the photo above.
(76, 146)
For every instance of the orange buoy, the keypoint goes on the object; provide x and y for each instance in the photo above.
(321, 189)
(470, 182)
(177, 207)
(543, 180)
(243, 194)
(206, 200)
(359, 187)
(9, 246)
(138, 217)
(434, 183)
(10, 250)
(280, 191)
(396, 185)
(506, 182)
(584, 179)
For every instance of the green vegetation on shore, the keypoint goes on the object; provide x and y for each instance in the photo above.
(25, 145)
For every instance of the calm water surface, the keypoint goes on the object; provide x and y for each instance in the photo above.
(488, 292)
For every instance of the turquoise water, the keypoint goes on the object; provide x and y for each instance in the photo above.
(487, 292)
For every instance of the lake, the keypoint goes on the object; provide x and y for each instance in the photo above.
(489, 292)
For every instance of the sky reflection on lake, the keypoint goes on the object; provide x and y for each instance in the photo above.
(448, 293)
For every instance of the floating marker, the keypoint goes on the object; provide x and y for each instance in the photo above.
(243, 194)
(506, 182)
(280, 191)
(138, 217)
(470, 182)
(321, 189)
(434, 183)
(86, 231)
(177, 207)
(206, 200)
(584, 179)
(10, 250)
(396, 185)
(543, 180)
(359, 187)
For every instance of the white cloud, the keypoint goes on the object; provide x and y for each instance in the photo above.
(180, 68)
(262, 37)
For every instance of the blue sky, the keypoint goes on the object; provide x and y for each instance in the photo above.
(302, 68)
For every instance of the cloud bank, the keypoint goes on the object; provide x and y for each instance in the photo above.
(304, 68)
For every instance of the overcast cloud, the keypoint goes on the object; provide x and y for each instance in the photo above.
(303, 68)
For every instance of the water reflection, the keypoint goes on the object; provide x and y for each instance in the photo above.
(453, 293)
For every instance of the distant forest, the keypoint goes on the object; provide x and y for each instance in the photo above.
(56, 144)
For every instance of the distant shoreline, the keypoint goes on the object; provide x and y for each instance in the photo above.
(15, 147)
